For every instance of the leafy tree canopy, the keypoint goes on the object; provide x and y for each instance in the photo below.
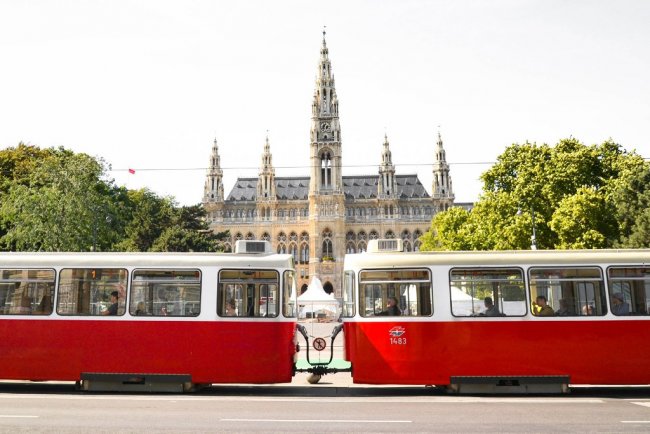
(56, 200)
(573, 195)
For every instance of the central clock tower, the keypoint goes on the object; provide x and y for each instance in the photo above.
(326, 197)
(325, 152)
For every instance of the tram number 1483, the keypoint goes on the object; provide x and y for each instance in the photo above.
(397, 335)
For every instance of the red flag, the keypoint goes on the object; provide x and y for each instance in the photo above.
(132, 171)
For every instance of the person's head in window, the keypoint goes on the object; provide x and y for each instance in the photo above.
(392, 308)
(490, 308)
(588, 310)
(112, 309)
(231, 308)
(540, 308)
(619, 305)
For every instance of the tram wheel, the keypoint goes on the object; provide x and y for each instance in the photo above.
(314, 378)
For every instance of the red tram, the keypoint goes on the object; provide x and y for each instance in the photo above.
(476, 321)
(148, 321)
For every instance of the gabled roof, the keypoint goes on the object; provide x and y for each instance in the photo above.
(354, 187)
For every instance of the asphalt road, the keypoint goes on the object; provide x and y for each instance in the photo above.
(57, 407)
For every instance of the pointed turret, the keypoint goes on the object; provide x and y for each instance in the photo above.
(443, 194)
(386, 172)
(213, 190)
(266, 180)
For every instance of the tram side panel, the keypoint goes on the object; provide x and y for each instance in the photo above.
(209, 351)
(431, 352)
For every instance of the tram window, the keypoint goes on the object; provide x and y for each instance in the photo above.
(165, 292)
(289, 294)
(632, 284)
(487, 292)
(348, 294)
(569, 291)
(26, 292)
(87, 291)
(411, 288)
(255, 293)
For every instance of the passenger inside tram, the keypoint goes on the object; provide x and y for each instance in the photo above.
(565, 308)
(490, 308)
(391, 308)
(540, 308)
(619, 305)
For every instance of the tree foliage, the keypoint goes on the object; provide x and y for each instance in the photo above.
(572, 195)
(56, 200)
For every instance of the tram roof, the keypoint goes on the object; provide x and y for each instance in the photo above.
(146, 259)
(493, 258)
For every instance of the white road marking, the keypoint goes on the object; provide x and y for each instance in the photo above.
(361, 399)
(317, 420)
(644, 404)
(635, 421)
(17, 415)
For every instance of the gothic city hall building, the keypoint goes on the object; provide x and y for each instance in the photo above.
(320, 217)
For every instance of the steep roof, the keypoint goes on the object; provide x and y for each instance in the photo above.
(354, 187)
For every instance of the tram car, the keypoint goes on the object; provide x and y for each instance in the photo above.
(517, 321)
(148, 321)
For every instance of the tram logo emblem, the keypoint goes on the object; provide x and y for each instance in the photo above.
(396, 331)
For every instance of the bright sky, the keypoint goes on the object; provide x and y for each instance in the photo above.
(150, 84)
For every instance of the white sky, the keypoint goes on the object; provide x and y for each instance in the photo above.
(149, 84)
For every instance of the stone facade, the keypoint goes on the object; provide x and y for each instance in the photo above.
(320, 217)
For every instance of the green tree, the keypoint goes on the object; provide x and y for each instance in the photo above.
(565, 192)
(53, 208)
(189, 232)
(632, 199)
(146, 216)
(585, 220)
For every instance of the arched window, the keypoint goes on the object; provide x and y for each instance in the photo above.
(328, 248)
(250, 236)
(407, 246)
(304, 253)
(282, 242)
(293, 251)
(362, 246)
(390, 235)
(406, 235)
(326, 170)
(373, 235)
(304, 248)
(350, 247)
(266, 236)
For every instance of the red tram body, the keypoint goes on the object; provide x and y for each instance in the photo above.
(442, 338)
(171, 321)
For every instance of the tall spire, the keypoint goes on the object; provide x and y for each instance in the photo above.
(266, 180)
(326, 176)
(213, 189)
(386, 185)
(443, 194)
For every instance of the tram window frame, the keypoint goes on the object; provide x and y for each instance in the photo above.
(289, 294)
(247, 292)
(30, 292)
(569, 280)
(349, 305)
(166, 292)
(74, 299)
(636, 290)
(382, 289)
(495, 293)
